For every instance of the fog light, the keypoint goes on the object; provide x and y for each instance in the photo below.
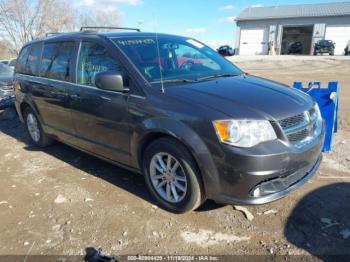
(256, 192)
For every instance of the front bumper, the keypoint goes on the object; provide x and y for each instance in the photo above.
(324, 50)
(273, 196)
(275, 167)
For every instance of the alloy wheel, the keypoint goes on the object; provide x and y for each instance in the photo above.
(33, 127)
(168, 177)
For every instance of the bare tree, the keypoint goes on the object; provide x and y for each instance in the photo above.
(5, 53)
(25, 20)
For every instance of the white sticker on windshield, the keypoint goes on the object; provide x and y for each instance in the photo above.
(195, 43)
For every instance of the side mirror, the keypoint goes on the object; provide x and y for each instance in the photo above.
(112, 81)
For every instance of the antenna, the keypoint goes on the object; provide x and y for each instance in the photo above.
(159, 61)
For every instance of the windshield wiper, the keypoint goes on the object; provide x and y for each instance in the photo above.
(182, 80)
(216, 76)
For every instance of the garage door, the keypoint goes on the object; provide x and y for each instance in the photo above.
(253, 42)
(340, 35)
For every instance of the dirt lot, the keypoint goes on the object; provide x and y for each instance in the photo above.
(61, 201)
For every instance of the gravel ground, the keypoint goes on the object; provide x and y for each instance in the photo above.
(59, 201)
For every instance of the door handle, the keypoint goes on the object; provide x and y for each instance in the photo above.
(59, 94)
(105, 98)
(75, 97)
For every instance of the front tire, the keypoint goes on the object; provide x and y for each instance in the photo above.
(34, 129)
(172, 176)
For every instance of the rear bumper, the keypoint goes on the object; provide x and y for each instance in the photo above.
(275, 168)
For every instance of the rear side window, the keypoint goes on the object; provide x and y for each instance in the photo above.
(56, 60)
(93, 59)
(28, 60)
(22, 60)
(33, 60)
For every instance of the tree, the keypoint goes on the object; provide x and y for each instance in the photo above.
(25, 20)
(5, 53)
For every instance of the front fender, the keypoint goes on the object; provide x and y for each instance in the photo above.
(187, 136)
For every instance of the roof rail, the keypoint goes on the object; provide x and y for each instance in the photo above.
(87, 28)
(51, 33)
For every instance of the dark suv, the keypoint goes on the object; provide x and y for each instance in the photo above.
(324, 46)
(196, 129)
(226, 50)
(295, 48)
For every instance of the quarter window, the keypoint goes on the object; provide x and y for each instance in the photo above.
(94, 59)
(22, 60)
(33, 58)
(28, 60)
(56, 60)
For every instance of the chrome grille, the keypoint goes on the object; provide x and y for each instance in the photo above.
(291, 121)
(298, 136)
(300, 128)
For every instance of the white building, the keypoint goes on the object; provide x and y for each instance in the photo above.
(269, 30)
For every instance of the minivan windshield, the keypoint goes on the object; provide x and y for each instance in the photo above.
(174, 59)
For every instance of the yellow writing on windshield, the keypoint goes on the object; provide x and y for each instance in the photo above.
(146, 41)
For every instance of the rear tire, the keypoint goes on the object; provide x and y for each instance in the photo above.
(177, 190)
(35, 130)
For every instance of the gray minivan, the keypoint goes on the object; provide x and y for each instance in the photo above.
(172, 109)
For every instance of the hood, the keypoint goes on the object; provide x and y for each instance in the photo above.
(245, 97)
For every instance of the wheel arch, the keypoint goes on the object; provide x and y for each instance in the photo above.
(24, 104)
(154, 129)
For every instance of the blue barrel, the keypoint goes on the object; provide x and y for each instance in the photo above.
(327, 99)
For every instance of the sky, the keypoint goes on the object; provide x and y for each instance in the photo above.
(210, 21)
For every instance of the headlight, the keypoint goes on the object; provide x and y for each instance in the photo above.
(318, 120)
(244, 133)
